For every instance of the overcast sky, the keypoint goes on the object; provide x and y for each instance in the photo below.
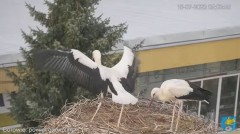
(144, 18)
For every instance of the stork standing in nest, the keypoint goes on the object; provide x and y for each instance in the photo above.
(118, 80)
(178, 90)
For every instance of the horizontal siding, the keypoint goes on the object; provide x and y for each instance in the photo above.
(6, 84)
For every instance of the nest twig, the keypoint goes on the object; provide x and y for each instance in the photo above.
(136, 119)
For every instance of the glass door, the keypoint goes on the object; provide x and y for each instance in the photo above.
(237, 112)
(228, 95)
(225, 100)
(209, 110)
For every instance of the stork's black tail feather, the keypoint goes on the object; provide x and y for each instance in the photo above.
(197, 94)
(205, 94)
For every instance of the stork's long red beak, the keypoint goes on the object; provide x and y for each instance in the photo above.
(150, 103)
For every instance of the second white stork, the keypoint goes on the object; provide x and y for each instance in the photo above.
(118, 80)
(179, 90)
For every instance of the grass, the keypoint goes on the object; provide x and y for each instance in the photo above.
(6, 120)
(8, 133)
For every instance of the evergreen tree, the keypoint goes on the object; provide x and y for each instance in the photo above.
(68, 24)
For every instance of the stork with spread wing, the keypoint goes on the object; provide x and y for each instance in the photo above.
(118, 80)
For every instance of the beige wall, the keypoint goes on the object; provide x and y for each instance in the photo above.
(187, 55)
(6, 84)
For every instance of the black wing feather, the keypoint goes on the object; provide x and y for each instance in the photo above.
(197, 94)
(129, 82)
(64, 63)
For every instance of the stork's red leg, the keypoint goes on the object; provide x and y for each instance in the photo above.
(173, 114)
(99, 105)
(120, 116)
(178, 118)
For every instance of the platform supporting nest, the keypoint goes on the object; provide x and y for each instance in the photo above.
(136, 119)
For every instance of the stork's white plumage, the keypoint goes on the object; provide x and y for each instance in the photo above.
(177, 89)
(118, 80)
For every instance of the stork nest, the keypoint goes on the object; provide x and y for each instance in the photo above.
(136, 119)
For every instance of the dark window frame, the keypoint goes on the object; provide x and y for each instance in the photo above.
(1, 100)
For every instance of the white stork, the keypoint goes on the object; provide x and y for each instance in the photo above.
(118, 80)
(179, 90)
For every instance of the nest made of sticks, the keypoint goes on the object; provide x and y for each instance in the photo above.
(136, 119)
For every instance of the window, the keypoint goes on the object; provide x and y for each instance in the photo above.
(1, 100)
(238, 106)
(209, 110)
(228, 95)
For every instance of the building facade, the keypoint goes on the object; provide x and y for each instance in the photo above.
(9, 62)
(213, 65)
(210, 61)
